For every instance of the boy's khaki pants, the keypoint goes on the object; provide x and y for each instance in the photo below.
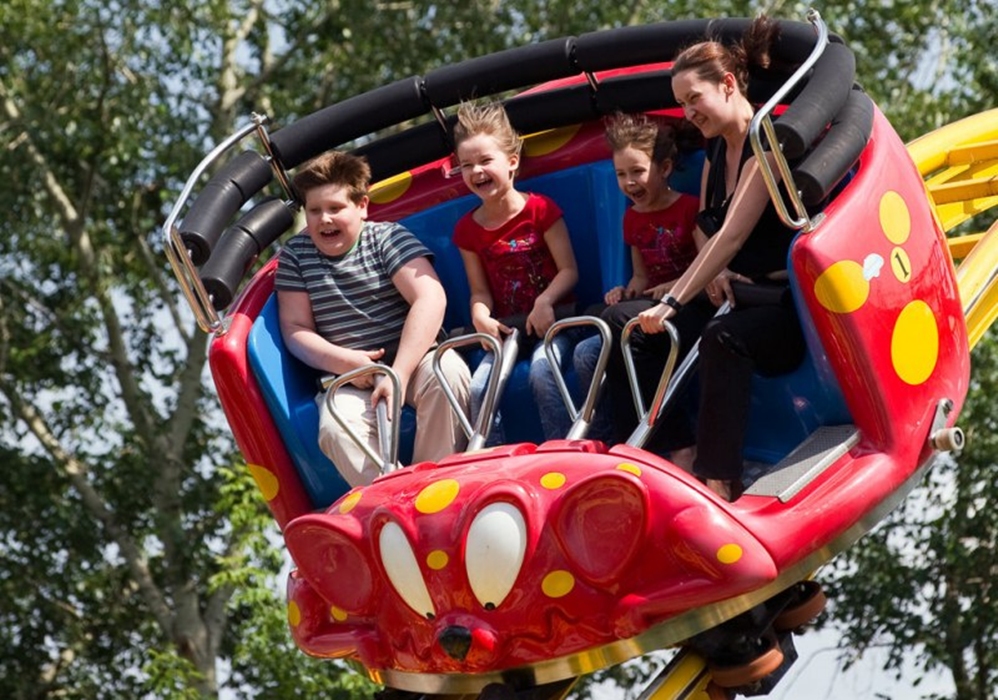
(438, 430)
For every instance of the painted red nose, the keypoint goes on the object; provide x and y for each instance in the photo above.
(456, 641)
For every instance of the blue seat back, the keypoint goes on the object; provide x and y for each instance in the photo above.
(289, 387)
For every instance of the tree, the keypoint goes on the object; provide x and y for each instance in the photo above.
(136, 556)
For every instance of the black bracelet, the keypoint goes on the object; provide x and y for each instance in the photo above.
(672, 301)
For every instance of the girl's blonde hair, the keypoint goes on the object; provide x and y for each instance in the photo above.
(489, 119)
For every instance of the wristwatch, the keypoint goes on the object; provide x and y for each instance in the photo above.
(672, 301)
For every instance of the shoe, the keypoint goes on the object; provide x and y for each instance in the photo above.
(729, 490)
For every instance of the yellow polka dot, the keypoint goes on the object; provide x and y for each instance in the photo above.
(437, 559)
(390, 189)
(544, 142)
(294, 614)
(266, 481)
(915, 343)
(842, 288)
(901, 264)
(628, 467)
(557, 584)
(350, 500)
(729, 553)
(553, 480)
(895, 219)
(437, 496)
(338, 614)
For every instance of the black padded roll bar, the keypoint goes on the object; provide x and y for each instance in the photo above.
(222, 197)
(350, 119)
(841, 146)
(405, 150)
(501, 71)
(240, 246)
(823, 96)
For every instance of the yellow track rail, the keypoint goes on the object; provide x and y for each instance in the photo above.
(959, 163)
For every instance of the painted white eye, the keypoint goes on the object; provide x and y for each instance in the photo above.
(403, 570)
(494, 550)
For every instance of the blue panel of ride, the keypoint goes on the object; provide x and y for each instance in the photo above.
(785, 409)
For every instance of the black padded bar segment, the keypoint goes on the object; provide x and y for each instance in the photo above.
(549, 110)
(505, 70)
(841, 146)
(626, 46)
(641, 92)
(406, 150)
(825, 93)
(226, 192)
(240, 246)
(345, 121)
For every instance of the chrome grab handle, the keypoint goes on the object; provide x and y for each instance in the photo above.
(667, 386)
(581, 419)
(647, 418)
(761, 119)
(388, 427)
(505, 354)
(176, 252)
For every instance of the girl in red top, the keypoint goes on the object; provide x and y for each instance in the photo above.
(658, 227)
(516, 252)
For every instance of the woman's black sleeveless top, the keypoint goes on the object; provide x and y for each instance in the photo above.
(765, 250)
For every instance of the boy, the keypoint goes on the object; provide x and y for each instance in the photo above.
(352, 292)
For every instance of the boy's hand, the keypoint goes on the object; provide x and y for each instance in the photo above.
(362, 358)
(541, 318)
(383, 390)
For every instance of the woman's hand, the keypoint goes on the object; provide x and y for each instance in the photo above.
(653, 320)
(719, 289)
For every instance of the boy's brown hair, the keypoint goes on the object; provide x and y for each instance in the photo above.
(334, 168)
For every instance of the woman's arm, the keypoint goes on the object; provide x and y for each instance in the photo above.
(748, 203)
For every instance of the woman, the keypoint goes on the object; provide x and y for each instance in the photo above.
(741, 239)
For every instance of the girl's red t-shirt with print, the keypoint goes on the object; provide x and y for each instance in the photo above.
(664, 238)
(517, 261)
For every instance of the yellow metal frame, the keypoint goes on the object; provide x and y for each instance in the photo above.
(959, 163)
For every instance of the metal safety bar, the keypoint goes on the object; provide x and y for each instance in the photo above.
(672, 385)
(505, 357)
(176, 251)
(388, 426)
(581, 419)
(647, 418)
(762, 120)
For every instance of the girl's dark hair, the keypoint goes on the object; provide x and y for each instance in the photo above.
(711, 59)
(653, 138)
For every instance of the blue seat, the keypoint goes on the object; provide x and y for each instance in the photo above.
(289, 387)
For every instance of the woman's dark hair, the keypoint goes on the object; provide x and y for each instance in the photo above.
(711, 59)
